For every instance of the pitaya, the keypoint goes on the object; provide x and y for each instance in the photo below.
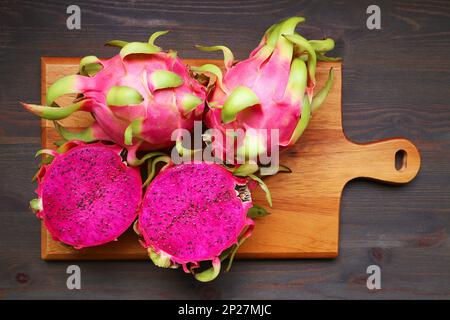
(269, 95)
(138, 97)
(87, 195)
(195, 212)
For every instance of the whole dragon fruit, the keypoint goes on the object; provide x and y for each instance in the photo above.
(195, 212)
(269, 96)
(138, 97)
(87, 196)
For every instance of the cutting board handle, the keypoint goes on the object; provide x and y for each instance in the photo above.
(395, 160)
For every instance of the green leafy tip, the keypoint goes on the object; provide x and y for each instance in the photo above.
(137, 162)
(49, 152)
(227, 54)
(322, 46)
(161, 259)
(183, 151)
(286, 27)
(123, 96)
(264, 188)
(163, 79)
(133, 130)
(257, 212)
(303, 122)
(36, 205)
(281, 168)
(61, 87)
(138, 48)
(90, 66)
(86, 135)
(152, 167)
(305, 46)
(322, 57)
(240, 99)
(211, 273)
(136, 228)
(116, 43)
(189, 102)
(54, 113)
(320, 97)
(273, 38)
(245, 234)
(246, 169)
(156, 35)
(298, 80)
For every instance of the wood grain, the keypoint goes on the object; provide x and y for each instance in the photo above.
(304, 220)
(395, 83)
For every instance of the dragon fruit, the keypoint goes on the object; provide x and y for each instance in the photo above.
(195, 212)
(87, 196)
(138, 97)
(268, 96)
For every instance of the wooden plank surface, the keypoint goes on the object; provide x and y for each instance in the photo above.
(395, 83)
(304, 220)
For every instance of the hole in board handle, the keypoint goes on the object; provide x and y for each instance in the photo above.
(400, 160)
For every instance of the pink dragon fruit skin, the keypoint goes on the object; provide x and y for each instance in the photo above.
(270, 90)
(138, 97)
(87, 196)
(205, 215)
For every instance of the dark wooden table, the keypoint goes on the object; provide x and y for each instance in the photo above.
(396, 83)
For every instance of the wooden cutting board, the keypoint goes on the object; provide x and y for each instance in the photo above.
(304, 220)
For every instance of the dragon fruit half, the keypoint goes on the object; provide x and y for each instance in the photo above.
(87, 195)
(269, 95)
(138, 97)
(195, 212)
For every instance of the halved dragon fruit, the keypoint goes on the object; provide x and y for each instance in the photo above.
(195, 212)
(138, 97)
(269, 96)
(87, 196)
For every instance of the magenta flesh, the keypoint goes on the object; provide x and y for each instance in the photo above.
(193, 212)
(89, 196)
